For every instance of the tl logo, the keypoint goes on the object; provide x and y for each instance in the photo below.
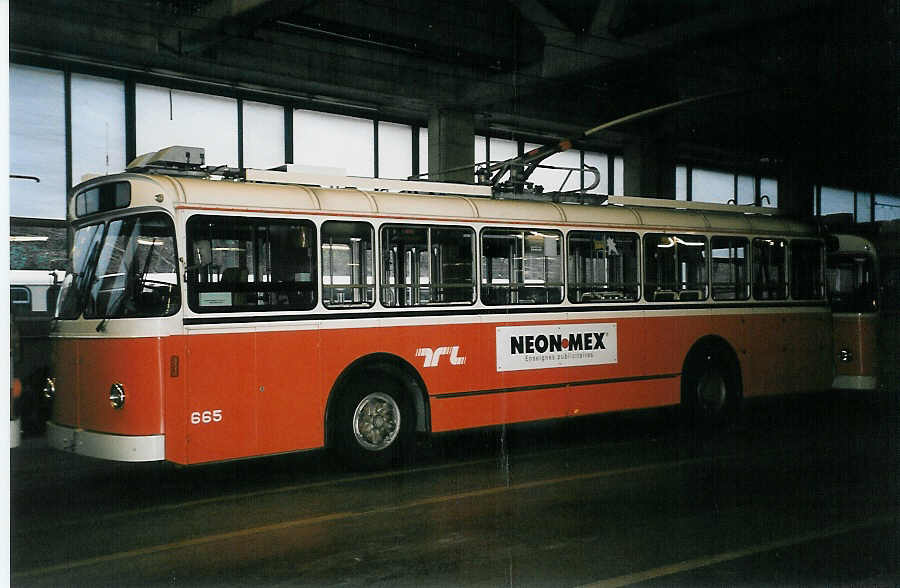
(433, 356)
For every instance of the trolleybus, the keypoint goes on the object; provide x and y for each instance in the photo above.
(215, 314)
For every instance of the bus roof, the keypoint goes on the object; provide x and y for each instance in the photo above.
(265, 195)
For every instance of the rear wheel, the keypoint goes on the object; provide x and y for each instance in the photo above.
(372, 424)
(710, 387)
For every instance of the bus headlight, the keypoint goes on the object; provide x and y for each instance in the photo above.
(49, 389)
(117, 395)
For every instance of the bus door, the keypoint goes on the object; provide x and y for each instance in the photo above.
(853, 293)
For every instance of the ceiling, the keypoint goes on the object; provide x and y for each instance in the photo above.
(813, 83)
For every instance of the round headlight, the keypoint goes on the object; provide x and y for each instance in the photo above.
(117, 395)
(49, 389)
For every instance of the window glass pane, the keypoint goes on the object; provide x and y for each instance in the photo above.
(601, 162)
(136, 273)
(394, 151)
(681, 182)
(806, 270)
(746, 190)
(174, 117)
(263, 135)
(602, 266)
(768, 187)
(427, 265)
(423, 150)
(452, 265)
(729, 268)
(503, 149)
(863, 207)
(521, 266)
(675, 267)
(711, 186)
(887, 207)
(558, 180)
(98, 126)
(836, 201)
(343, 143)
(37, 142)
(619, 176)
(769, 269)
(480, 149)
(348, 277)
(241, 264)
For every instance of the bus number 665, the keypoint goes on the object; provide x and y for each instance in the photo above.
(206, 417)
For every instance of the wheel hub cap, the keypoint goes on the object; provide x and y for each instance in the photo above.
(376, 421)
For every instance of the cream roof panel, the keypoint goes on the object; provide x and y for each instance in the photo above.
(600, 215)
(240, 195)
(352, 201)
(518, 210)
(389, 203)
(684, 220)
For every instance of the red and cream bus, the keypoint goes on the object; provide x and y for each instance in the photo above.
(852, 278)
(212, 317)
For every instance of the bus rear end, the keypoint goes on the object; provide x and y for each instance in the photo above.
(853, 291)
(117, 314)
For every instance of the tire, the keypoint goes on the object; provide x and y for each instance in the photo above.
(710, 388)
(373, 425)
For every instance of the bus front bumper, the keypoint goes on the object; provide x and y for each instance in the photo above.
(106, 445)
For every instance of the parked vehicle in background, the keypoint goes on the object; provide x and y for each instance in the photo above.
(32, 298)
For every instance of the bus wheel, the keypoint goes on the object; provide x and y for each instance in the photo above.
(373, 424)
(710, 388)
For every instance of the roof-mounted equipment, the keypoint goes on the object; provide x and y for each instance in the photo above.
(175, 160)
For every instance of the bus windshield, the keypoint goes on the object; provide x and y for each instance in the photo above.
(851, 282)
(124, 267)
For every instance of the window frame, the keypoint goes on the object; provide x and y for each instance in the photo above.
(785, 285)
(747, 285)
(793, 276)
(365, 287)
(482, 285)
(676, 294)
(569, 258)
(311, 286)
(381, 279)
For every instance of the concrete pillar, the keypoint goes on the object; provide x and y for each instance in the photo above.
(649, 168)
(795, 190)
(451, 144)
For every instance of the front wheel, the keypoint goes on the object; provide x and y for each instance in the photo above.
(372, 426)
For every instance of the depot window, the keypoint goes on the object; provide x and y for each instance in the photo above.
(603, 267)
(769, 269)
(807, 274)
(675, 268)
(521, 266)
(348, 266)
(250, 264)
(427, 265)
(729, 262)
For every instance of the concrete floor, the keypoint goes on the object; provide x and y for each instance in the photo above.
(801, 491)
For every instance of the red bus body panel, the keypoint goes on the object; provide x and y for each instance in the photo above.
(272, 387)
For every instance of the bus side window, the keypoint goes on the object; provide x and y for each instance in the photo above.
(248, 264)
(675, 268)
(521, 266)
(769, 269)
(427, 265)
(348, 279)
(806, 270)
(729, 268)
(602, 266)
